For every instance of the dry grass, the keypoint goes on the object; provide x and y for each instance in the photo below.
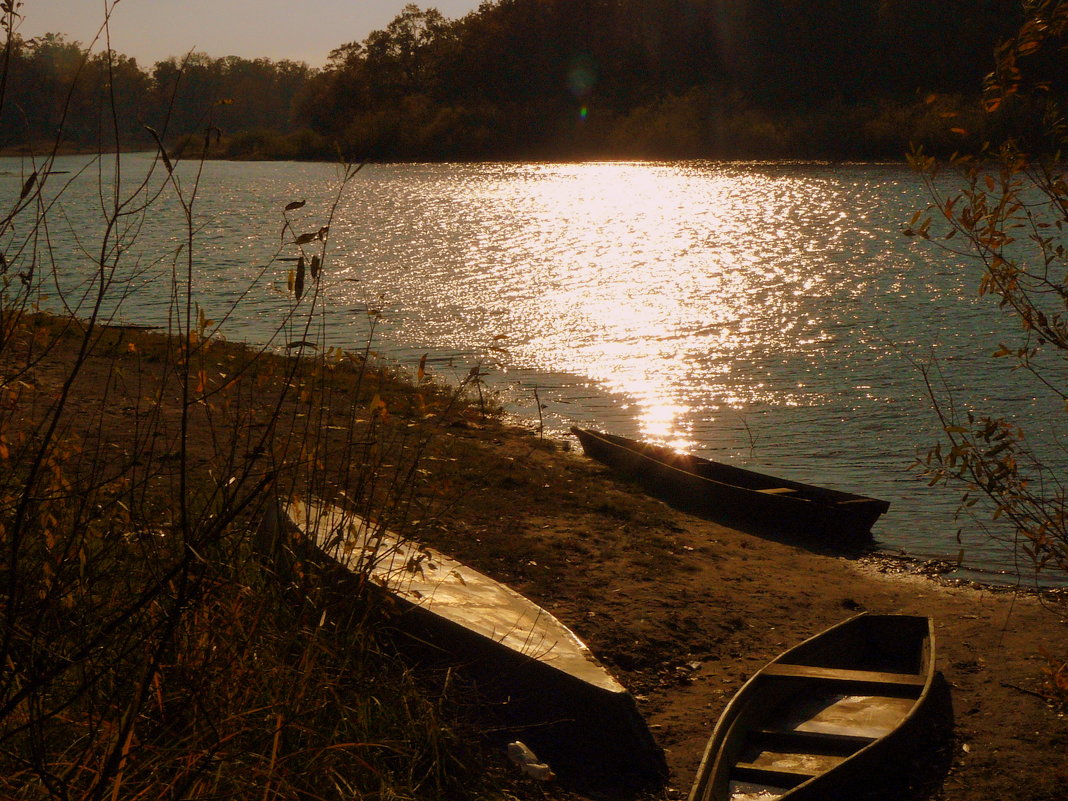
(150, 650)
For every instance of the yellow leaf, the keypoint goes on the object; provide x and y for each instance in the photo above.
(378, 406)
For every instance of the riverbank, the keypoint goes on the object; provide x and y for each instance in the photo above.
(685, 610)
(681, 608)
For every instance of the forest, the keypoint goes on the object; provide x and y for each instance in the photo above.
(835, 79)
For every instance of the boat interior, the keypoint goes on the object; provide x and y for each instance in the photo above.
(835, 696)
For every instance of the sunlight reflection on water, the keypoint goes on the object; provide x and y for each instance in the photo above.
(690, 289)
(650, 280)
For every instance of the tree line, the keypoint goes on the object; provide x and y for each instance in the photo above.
(584, 78)
(664, 78)
(54, 89)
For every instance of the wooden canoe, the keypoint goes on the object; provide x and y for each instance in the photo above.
(818, 720)
(737, 496)
(559, 699)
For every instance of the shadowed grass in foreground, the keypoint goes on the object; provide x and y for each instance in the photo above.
(149, 650)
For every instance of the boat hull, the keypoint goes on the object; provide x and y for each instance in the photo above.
(820, 719)
(545, 686)
(732, 495)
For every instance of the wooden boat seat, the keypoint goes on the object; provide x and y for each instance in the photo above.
(825, 742)
(775, 777)
(841, 674)
(777, 490)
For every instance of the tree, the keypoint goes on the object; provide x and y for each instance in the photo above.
(1012, 218)
(399, 59)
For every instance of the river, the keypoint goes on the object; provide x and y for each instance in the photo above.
(766, 314)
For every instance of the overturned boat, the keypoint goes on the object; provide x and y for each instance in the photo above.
(551, 689)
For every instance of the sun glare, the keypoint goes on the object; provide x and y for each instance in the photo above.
(679, 286)
(648, 286)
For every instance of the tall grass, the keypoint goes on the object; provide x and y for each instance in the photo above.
(150, 644)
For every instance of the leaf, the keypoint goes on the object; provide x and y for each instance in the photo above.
(378, 406)
(160, 147)
(26, 187)
(959, 131)
(422, 368)
(304, 239)
(203, 321)
(298, 281)
(315, 268)
(296, 204)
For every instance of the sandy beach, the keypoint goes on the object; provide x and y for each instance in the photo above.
(684, 610)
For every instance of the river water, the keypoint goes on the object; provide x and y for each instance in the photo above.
(769, 315)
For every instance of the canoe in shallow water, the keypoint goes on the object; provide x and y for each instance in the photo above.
(818, 719)
(738, 496)
(563, 702)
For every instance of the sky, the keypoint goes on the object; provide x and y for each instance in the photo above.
(152, 30)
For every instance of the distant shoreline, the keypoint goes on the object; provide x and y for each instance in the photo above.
(46, 150)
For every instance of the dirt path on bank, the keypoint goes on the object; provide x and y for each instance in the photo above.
(685, 610)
